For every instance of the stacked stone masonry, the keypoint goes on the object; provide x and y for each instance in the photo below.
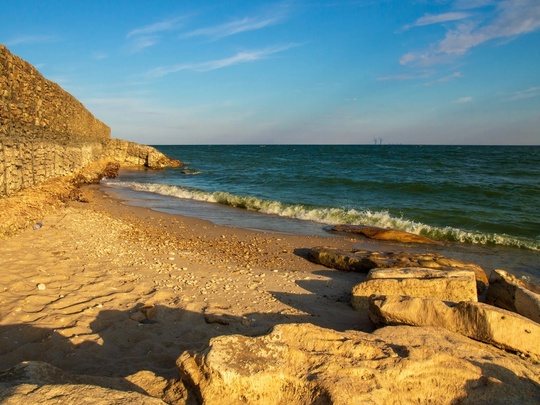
(44, 131)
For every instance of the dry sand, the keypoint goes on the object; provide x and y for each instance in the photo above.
(107, 289)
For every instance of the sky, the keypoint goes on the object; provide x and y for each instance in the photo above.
(294, 71)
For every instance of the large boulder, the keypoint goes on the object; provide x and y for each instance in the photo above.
(476, 320)
(374, 232)
(40, 383)
(306, 364)
(446, 285)
(509, 292)
(364, 260)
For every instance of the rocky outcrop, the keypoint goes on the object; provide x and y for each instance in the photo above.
(306, 364)
(364, 260)
(40, 383)
(508, 292)
(446, 285)
(478, 321)
(134, 154)
(374, 232)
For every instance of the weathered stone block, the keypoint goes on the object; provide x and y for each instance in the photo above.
(476, 320)
(446, 285)
(508, 292)
(306, 364)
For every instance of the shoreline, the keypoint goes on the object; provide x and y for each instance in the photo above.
(521, 262)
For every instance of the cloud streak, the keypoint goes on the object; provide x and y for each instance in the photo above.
(430, 19)
(507, 21)
(150, 35)
(240, 25)
(239, 58)
(455, 75)
(161, 26)
(233, 27)
(525, 94)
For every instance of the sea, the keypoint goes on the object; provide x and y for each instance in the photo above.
(482, 202)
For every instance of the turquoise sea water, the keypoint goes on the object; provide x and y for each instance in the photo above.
(485, 196)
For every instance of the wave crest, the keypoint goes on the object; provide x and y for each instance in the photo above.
(331, 216)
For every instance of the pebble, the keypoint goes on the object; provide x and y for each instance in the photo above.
(41, 287)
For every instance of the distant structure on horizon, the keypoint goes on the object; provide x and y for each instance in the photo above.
(378, 141)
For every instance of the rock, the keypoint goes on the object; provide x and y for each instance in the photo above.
(41, 287)
(35, 382)
(476, 320)
(446, 285)
(374, 232)
(134, 154)
(306, 364)
(145, 314)
(149, 311)
(218, 314)
(509, 292)
(364, 260)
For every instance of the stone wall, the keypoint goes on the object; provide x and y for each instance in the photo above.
(45, 132)
(28, 162)
(34, 107)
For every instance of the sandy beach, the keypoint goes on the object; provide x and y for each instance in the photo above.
(103, 288)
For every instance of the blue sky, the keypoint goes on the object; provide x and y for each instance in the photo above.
(298, 71)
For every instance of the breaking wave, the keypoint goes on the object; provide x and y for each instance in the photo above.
(332, 216)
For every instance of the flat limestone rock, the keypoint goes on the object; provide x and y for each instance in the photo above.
(374, 232)
(364, 260)
(36, 382)
(482, 322)
(307, 364)
(446, 285)
(509, 292)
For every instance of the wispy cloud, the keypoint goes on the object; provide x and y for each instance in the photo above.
(506, 21)
(149, 35)
(161, 26)
(272, 16)
(430, 19)
(464, 100)
(444, 79)
(239, 58)
(234, 27)
(140, 43)
(524, 94)
(31, 39)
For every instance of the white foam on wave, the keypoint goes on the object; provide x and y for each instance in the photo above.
(331, 216)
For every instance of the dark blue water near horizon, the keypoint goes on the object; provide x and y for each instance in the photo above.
(473, 195)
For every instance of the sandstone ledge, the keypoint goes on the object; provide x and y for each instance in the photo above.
(305, 364)
(446, 285)
(476, 320)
